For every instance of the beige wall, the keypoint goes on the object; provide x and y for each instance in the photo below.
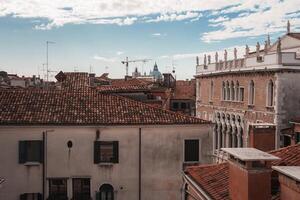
(162, 158)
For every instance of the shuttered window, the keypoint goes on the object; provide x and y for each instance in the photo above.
(191, 150)
(31, 151)
(81, 189)
(58, 189)
(106, 152)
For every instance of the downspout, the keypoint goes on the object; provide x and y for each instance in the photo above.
(44, 164)
(140, 163)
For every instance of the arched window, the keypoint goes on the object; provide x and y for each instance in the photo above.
(270, 93)
(237, 89)
(199, 89)
(211, 91)
(106, 192)
(223, 91)
(227, 91)
(232, 91)
(251, 93)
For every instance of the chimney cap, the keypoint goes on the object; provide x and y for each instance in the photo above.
(290, 171)
(250, 154)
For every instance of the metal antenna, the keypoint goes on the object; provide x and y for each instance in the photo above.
(47, 57)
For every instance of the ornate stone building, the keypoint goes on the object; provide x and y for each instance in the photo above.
(259, 90)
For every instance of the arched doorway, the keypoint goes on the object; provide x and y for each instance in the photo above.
(106, 192)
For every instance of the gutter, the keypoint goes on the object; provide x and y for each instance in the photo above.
(201, 191)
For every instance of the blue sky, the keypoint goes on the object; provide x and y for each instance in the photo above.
(102, 33)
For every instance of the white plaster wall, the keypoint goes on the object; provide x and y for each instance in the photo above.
(162, 157)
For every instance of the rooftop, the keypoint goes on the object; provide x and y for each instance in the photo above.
(290, 171)
(214, 179)
(250, 154)
(80, 107)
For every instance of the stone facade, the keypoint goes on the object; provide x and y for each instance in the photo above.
(262, 88)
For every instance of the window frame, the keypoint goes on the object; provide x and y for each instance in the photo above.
(60, 195)
(82, 197)
(97, 152)
(24, 146)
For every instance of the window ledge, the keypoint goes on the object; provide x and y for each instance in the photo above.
(32, 163)
(106, 164)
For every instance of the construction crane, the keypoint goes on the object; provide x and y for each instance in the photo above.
(126, 62)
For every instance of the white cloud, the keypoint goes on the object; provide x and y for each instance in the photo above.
(183, 56)
(57, 13)
(158, 34)
(219, 19)
(256, 18)
(105, 59)
(119, 53)
(169, 17)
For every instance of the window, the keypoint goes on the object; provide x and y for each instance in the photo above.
(227, 91)
(237, 90)
(199, 90)
(175, 105)
(251, 93)
(191, 150)
(106, 152)
(211, 91)
(106, 192)
(183, 105)
(31, 196)
(223, 92)
(232, 91)
(31, 151)
(241, 94)
(297, 137)
(270, 94)
(58, 189)
(81, 189)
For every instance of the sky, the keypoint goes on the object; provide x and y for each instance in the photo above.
(96, 35)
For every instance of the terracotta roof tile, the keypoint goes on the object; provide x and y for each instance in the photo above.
(214, 179)
(80, 107)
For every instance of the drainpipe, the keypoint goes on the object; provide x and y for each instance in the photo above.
(44, 165)
(140, 163)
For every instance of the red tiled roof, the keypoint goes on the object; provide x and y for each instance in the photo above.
(75, 81)
(81, 107)
(122, 85)
(214, 179)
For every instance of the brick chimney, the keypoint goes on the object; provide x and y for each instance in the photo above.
(289, 179)
(249, 174)
(262, 136)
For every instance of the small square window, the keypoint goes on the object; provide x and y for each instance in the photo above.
(106, 152)
(31, 151)
(175, 105)
(183, 105)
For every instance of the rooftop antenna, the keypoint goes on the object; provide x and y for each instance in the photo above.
(47, 57)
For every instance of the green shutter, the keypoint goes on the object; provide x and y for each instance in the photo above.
(97, 195)
(116, 151)
(22, 151)
(41, 145)
(97, 152)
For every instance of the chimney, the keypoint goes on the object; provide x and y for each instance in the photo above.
(289, 179)
(92, 79)
(262, 136)
(249, 174)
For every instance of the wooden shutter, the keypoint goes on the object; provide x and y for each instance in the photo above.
(41, 150)
(23, 197)
(22, 151)
(97, 195)
(40, 196)
(116, 151)
(191, 150)
(97, 152)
